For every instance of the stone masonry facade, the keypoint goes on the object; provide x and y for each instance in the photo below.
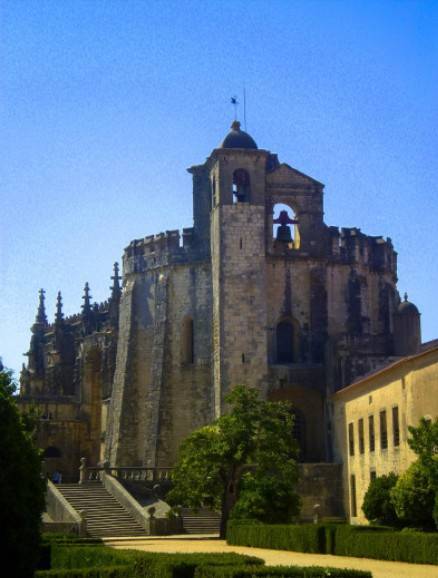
(260, 292)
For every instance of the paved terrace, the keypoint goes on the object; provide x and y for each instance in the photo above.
(193, 543)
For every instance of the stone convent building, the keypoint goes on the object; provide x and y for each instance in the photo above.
(260, 291)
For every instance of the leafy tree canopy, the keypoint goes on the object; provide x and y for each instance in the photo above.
(413, 497)
(377, 505)
(22, 489)
(424, 442)
(244, 464)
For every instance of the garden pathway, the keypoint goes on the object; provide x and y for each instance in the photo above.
(187, 544)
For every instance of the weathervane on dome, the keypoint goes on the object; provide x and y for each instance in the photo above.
(234, 101)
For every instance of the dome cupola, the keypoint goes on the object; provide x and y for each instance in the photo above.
(238, 139)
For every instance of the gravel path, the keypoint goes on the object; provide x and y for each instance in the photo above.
(379, 568)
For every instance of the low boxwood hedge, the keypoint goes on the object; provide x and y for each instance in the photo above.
(300, 538)
(341, 540)
(415, 547)
(279, 572)
(103, 562)
(95, 572)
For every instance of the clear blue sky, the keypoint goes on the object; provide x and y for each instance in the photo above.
(104, 104)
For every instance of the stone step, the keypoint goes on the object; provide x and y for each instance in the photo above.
(105, 515)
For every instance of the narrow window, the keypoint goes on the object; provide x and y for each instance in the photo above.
(285, 342)
(395, 426)
(214, 193)
(187, 341)
(373, 475)
(383, 430)
(353, 495)
(351, 438)
(372, 435)
(361, 437)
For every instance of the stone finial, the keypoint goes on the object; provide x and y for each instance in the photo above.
(406, 296)
(59, 316)
(41, 313)
(115, 287)
(86, 307)
(235, 125)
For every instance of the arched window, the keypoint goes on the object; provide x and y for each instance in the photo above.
(285, 342)
(52, 452)
(285, 226)
(187, 341)
(241, 186)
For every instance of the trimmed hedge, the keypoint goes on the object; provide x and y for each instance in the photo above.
(415, 547)
(341, 540)
(103, 562)
(279, 572)
(97, 572)
(300, 538)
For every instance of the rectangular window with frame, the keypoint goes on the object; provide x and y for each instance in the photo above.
(353, 495)
(395, 426)
(383, 430)
(351, 438)
(361, 437)
(373, 475)
(371, 432)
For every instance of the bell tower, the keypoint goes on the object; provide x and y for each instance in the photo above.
(237, 170)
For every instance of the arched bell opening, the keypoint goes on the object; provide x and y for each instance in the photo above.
(241, 186)
(285, 229)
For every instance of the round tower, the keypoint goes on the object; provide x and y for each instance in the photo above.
(407, 329)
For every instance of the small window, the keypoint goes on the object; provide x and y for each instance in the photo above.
(383, 430)
(361, 437)
(373, 475)
(372, 435)
(351, 439)
(353, 495)
(395, 427)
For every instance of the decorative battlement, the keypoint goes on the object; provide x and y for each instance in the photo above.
(352, 246)
(157, 250)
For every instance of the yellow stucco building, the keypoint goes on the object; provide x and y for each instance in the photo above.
(372, 417)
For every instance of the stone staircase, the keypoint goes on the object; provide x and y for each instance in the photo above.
(105, 515)
(200, 521)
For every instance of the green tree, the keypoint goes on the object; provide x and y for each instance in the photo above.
(424, 442)
(244, 464)
(377, 505)
(413, 497)
(22, 488)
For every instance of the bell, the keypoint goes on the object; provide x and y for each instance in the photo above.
(284, 234)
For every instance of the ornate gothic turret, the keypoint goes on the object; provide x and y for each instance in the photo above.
(59, 315)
